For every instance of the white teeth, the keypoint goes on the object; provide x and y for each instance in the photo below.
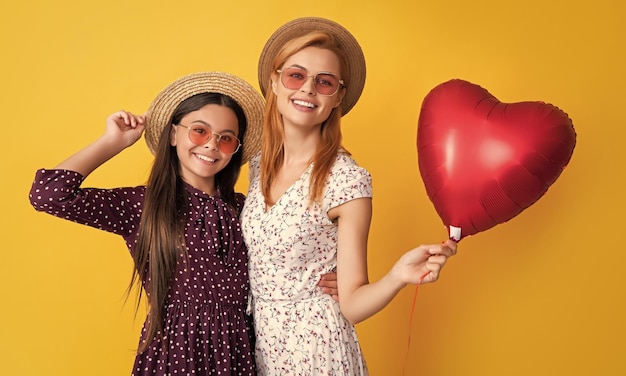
(205, 158)
(303, 103)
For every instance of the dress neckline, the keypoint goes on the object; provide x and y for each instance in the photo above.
(299, 181)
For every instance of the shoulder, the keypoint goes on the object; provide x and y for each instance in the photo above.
(347, 181)
(347, 167)
(256, 159)
(254, 165)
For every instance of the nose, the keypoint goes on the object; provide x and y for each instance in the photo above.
(308, 86)
(213, 142)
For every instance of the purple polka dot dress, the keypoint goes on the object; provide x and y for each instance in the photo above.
(206, 329)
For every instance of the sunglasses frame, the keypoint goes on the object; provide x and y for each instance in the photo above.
(211, 134)
(307, 76)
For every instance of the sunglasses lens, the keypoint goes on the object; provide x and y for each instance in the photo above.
(325, 83)
(228, 144)
(293, 78)
(200, 135)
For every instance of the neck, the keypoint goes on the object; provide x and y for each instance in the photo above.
(205, 185)
(300, 144)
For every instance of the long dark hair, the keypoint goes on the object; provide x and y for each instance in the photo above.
(161, 233)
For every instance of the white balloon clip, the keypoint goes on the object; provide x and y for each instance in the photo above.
(455, 233)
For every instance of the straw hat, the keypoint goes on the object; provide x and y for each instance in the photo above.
(302, 26)
(160, 112)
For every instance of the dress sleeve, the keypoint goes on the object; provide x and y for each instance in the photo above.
(240, 200)
(347, 182)
(58, 192)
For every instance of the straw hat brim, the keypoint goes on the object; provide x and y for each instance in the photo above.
(302, 26)
(159, 114)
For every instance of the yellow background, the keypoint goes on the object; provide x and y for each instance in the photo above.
(543, 294)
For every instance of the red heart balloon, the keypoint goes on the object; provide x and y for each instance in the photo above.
(483, 161)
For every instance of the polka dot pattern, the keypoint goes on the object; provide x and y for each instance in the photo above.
(206, 329)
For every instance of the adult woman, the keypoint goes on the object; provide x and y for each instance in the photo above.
(308, 209)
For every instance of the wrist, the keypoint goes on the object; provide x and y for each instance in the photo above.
(394, 280)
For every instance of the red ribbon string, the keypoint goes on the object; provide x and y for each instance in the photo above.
(411, 323)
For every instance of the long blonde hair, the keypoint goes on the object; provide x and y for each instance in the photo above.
(273, 143)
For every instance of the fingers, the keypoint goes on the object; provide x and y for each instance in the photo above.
(429, 278)
(330, 290)
(438, 259)
(435, 257)
(452, 245)
(333, 293)
(329, 281)
(424, 263)
(448, 248)
(434, 266)
(433, 270)
(129, 118)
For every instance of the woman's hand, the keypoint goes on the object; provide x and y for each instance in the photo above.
(423, 264)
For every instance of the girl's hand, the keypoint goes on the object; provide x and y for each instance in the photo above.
(124, 128)
(423, 264)
(328, 283)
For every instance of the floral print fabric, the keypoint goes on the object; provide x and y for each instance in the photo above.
(299, 330)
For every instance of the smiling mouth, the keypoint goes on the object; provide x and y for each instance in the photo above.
(205, 158)
(303, 103)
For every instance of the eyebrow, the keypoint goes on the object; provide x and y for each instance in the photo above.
(303, 68)
(298, 66)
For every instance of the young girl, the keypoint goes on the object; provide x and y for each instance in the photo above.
(182, 228)
(309, 208)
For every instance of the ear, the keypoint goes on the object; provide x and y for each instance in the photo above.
(173, 135)
(274, 86)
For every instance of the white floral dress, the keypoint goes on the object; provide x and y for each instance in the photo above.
(299, 330)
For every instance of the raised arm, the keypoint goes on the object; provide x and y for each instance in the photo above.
(122, 130)
(360, 299)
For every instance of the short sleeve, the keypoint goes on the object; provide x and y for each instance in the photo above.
(254, 167)
(347, 181)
